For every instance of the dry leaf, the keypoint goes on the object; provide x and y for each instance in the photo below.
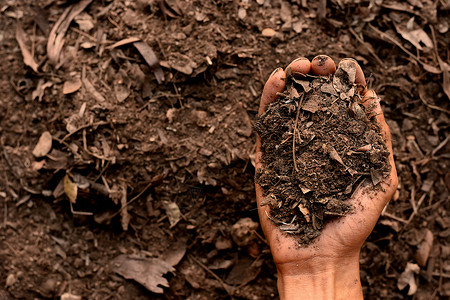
(423, 252)
(407, 278)
(305, 211)
(173, 212)
(27, 57)
(71, 86)
(344, 79)
(91, 90)
(151, 59)
(84, 21)
(70, 189)
(146, 271)
(124, 216)
(44, 145)
(40, 89)
(128, 40)
(121, 92)
(56, 37)
(415, 37)
(243, 231)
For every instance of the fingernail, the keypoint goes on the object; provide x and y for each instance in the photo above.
(322, 59)
(275, 71)
(348, 59)
(299, 58)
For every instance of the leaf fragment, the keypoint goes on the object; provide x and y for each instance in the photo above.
(28, 59)
(70, 189)
(150, 57)
(146, 271)
(44, 145)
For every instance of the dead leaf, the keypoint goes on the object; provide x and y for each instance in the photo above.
(71, 86)
(173, 212)
(243, 231)
(124, 216)
(121, 92)
(28, 59)
(415, 37)
(311, 104)
(244, 271)
(40, 89)
(44, 145)
(407, 278)
(84, 21)
(150, 57)
(128, 40)
(376, 176)
(344, 79)
(176, 254)
(305, 211)
(41, 19)
(70, 189)
(423, 252)
(56, 37)
(91, 89)
(146, 271)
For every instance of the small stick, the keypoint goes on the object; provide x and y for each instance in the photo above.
(226, 287)
(295, 131)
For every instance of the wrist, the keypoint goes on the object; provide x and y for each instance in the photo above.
(320, 278)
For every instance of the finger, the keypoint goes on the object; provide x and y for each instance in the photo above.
(359, 79)
(300, 65)
(275, 84)
(323, 65)
(374, 112)
(373, 109)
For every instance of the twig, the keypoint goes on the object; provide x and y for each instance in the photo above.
(413, 214)
(225, 286)
(83, 127)
(443, 275)
(132, 200)
(394, 217)
(396, 43)
(412, 199)
(440, 146)
(260, 237)
(371, 51)
(422, 98)
(295, 131)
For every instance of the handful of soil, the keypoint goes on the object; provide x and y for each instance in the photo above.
(318, 145)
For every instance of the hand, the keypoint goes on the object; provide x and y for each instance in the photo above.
(328, 268)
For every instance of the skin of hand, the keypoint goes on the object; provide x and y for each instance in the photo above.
(328, 268)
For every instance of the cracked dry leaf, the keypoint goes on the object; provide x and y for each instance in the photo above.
(407, 278)
(146, 271)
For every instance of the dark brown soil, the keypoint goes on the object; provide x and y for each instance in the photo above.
(318, 144)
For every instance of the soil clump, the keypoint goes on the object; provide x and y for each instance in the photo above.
(318, 145)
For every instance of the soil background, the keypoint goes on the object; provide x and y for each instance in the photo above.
(163, 169)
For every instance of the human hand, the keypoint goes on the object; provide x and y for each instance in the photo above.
(329, 266)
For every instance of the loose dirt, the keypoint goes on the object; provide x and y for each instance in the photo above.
(318, 145)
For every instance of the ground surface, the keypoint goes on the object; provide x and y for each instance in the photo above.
(177, 155)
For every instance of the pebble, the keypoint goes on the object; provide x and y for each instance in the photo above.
(268, 32)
